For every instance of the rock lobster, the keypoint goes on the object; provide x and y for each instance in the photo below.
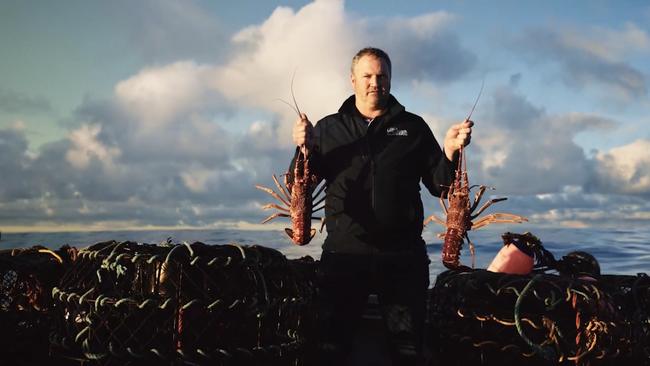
(460, 212)
(297, 195)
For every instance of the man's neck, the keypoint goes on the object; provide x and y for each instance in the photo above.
(370, 112)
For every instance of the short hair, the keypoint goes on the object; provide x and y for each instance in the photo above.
(372, 51)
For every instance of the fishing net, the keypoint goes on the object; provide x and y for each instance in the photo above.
(481, 317)
(124, 303)
(128, 303)
(26, 279)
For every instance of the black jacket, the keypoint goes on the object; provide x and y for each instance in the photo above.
(373, 173)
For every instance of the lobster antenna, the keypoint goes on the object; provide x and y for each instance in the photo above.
(462, 153)
(476, 101)
(293, 106)
(289, 104)
(293, 96)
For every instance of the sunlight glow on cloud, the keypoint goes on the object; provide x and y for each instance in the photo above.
(155, 96)
(312, 42)
(85, 147)
(626, 168)
(318, 42)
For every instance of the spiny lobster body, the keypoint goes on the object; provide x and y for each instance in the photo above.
(459, 213)
(458, 221)
(298, 197)
(298, 200)
(301, 208)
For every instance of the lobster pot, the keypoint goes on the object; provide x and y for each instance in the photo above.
(26, 280)
(129, 303)
(480, 317)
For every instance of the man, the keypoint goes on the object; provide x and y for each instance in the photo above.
(373, 155)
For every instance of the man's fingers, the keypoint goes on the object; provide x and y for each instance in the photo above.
(302, 131)
(302, 119)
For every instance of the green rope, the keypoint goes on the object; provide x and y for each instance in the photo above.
(547, 353)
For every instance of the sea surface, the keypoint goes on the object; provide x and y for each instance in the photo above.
(618, 251)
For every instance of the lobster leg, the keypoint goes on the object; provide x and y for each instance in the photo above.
(442, 203)
(498, 218)
(434, 218)
(273, 205)
(477, 197)
(486, 205)
(277, 214)
(472, 250)
(319, 202)
(272, 193)
(319, 191)
(322, 224)
(281, 188)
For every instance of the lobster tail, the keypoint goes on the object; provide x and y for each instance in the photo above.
(451, 248)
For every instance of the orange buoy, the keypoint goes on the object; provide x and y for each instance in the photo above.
(511, 260)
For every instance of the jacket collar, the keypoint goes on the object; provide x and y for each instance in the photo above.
(394, 108)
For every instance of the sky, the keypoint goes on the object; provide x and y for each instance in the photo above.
(166, 113)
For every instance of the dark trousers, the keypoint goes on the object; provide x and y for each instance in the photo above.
(400, 280)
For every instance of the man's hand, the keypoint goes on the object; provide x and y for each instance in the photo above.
(303, 132)
(458, 135)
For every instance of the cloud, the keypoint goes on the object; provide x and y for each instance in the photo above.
(183, 142)
(422, 47)
(521, 149)
(318, 42)
(610, 44)
(14, 161)
(14, 102)
(268, 54)
(154, 154)
(626, 169)
(85, 147)
(157, 95)
(598, 59)
(574, 207)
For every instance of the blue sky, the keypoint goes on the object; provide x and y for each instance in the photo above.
(164, 113)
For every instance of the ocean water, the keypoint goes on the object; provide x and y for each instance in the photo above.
(618, 251)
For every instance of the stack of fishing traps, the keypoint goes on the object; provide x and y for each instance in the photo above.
(128, 303)
(26, 280)
(484, 318)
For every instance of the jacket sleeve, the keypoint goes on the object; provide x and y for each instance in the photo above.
(437, 171)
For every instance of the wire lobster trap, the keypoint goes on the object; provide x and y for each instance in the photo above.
(129, 303)
(26, 278)
(483, 318)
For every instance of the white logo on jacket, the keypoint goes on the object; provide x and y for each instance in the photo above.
(394, 131)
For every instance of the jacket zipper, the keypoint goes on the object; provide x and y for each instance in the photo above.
(372, 180)
(370, 156)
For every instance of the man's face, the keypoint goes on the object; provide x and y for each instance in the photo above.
(371, 81)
